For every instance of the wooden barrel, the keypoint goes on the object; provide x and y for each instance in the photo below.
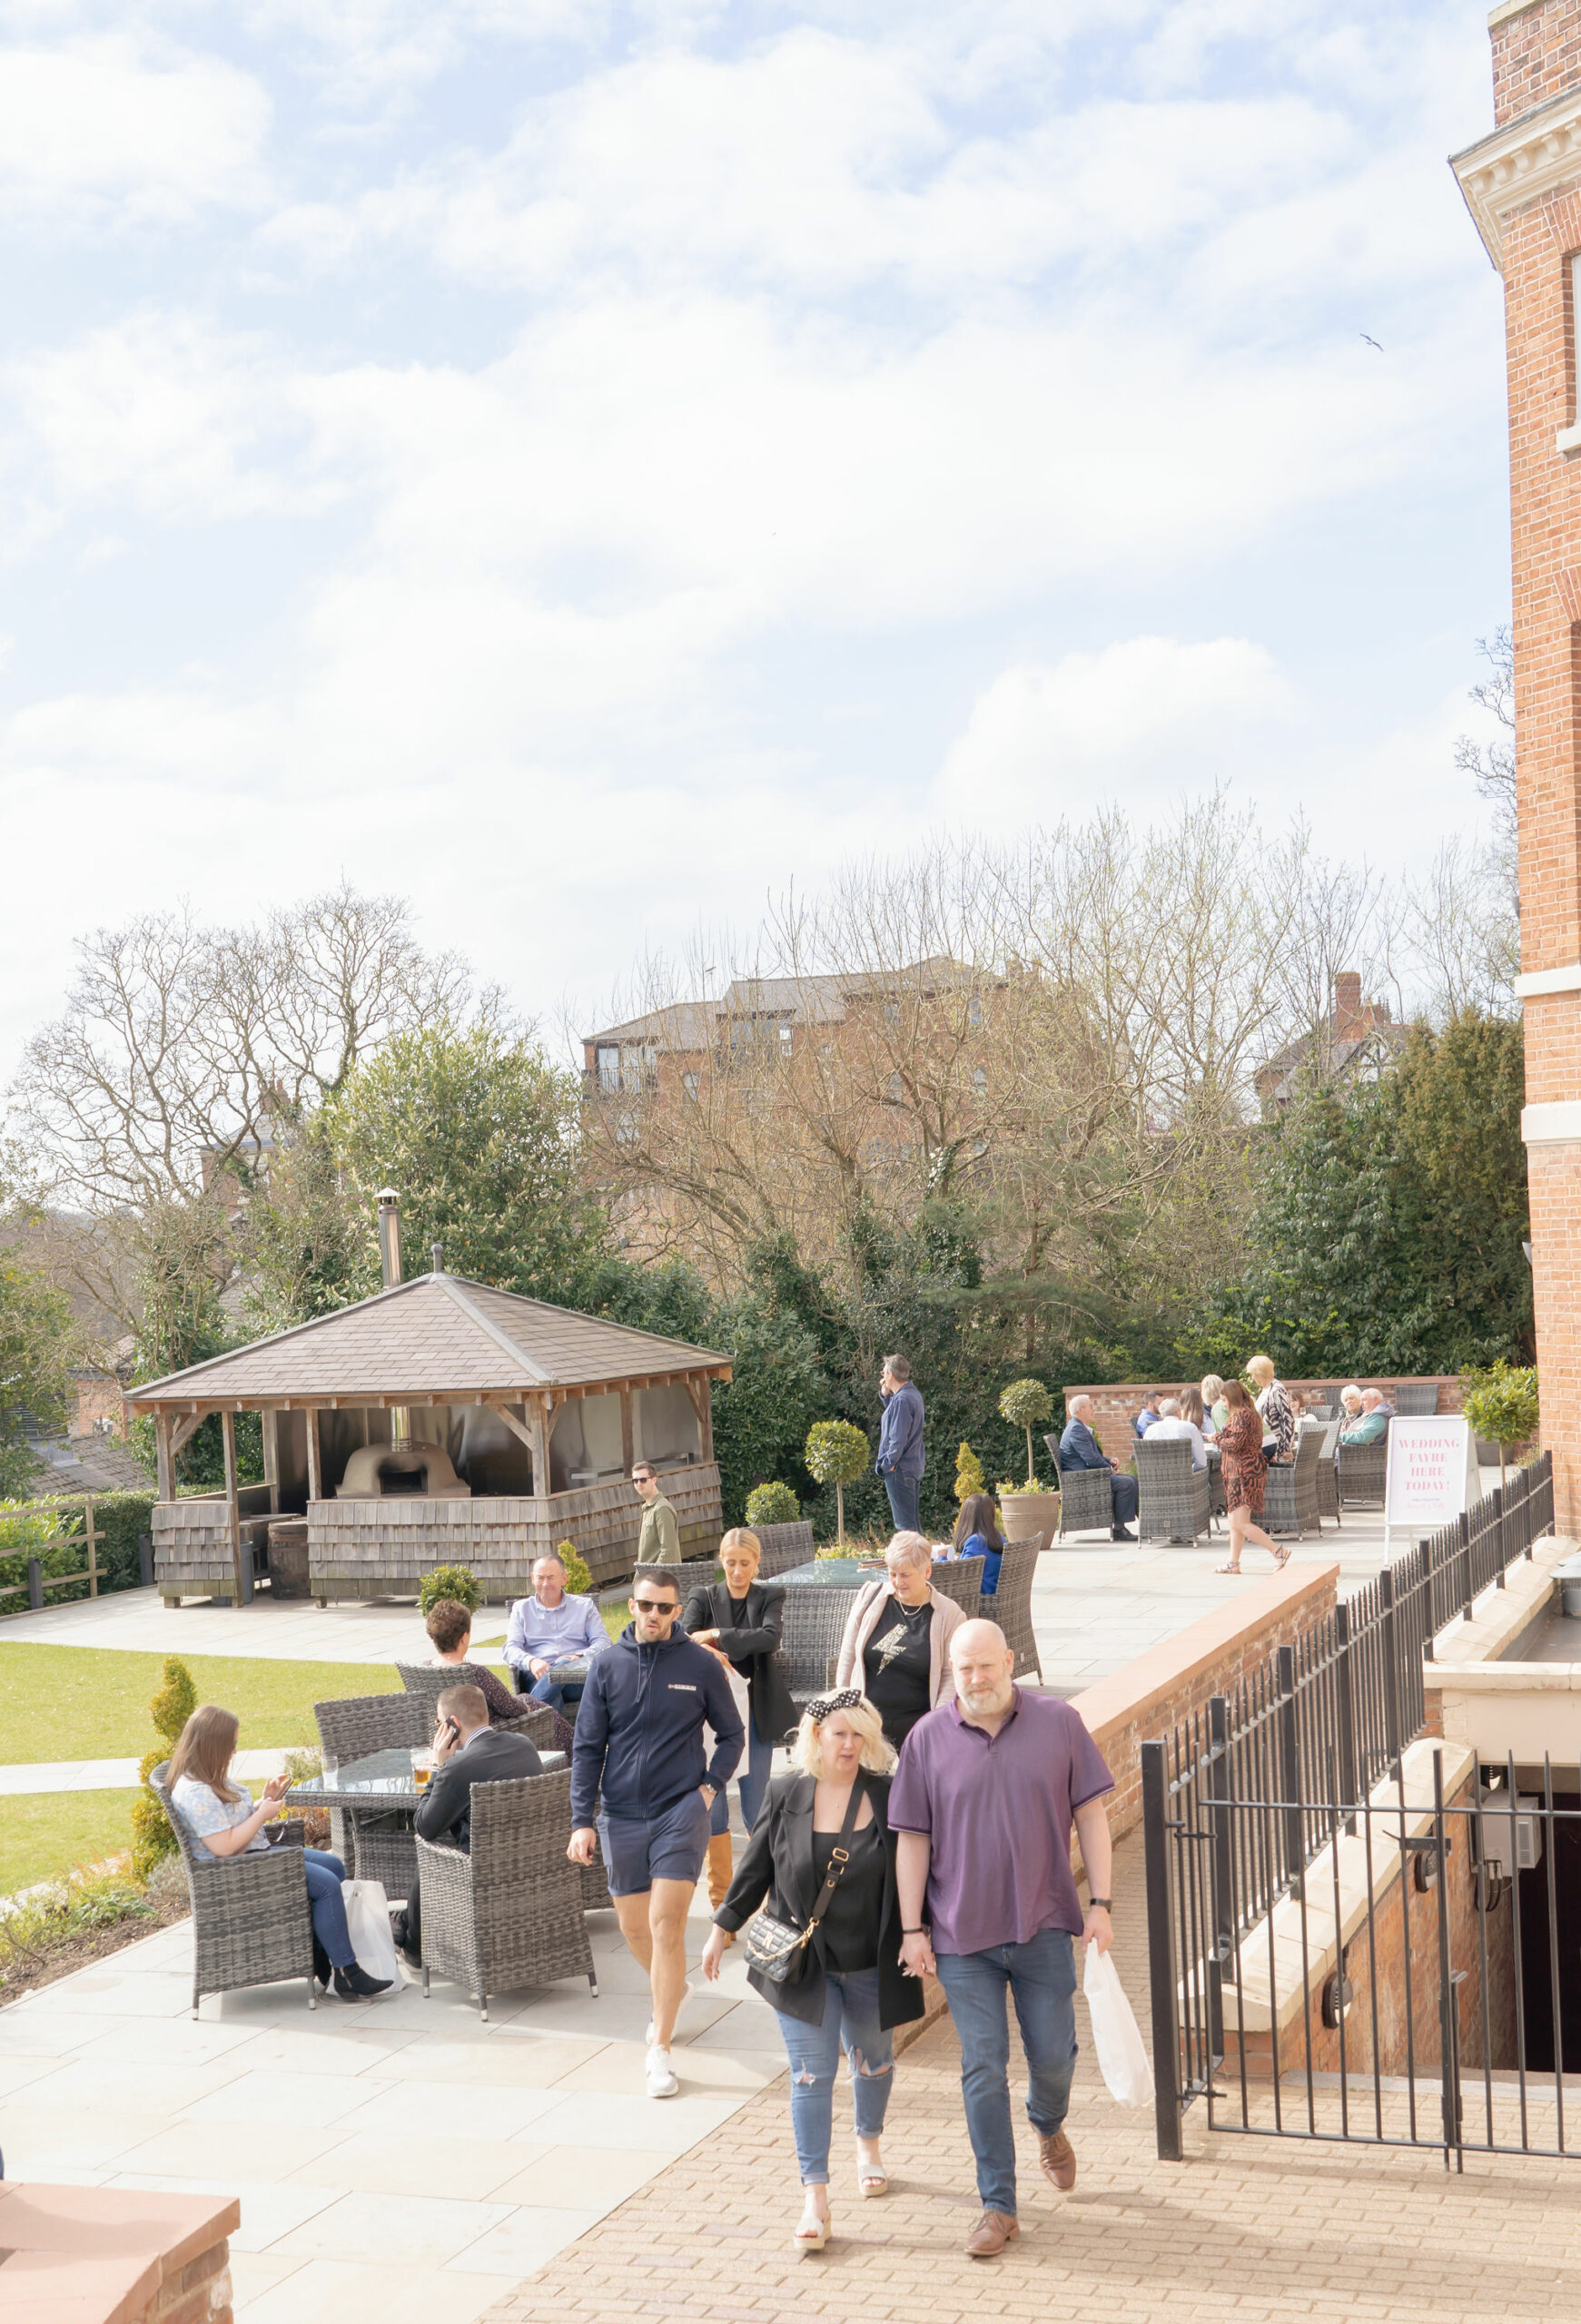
(288, 1558)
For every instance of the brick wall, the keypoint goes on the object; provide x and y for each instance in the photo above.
(1536, 55)
(1117, 1405)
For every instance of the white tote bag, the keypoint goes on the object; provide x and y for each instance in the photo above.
(368, 1919)
(1122, 2058)
(743, 1704)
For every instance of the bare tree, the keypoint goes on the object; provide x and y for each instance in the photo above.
(1491, 764)
(1461, 935)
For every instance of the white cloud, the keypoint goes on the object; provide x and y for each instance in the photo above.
(103, 127)
(1143, 718)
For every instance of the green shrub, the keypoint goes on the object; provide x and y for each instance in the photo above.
(28, 1531)
(458, 1582)
(172, 1707)
(772, 1505)
(80, 1903)
(118, 1519)
(836, 1453)
(578, 1572)
(969, 1476)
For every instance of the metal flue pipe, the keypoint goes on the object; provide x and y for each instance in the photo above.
(389, 1267)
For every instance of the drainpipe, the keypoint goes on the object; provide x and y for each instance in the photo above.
(389, 1267)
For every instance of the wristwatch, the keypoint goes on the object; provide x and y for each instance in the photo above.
(1095, 1903)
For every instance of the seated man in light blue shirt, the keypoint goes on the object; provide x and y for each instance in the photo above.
(1172, 1423)
(551, 1628)
(1147, 1417)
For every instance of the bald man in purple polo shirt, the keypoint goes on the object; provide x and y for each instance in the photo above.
(984, 1799)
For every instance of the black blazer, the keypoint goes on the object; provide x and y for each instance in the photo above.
(445, 1811)
(780, 1864)
(754, 1649)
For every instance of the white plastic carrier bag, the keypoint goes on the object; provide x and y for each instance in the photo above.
(1121, 2059)
(368, 1919)
(743, 1704)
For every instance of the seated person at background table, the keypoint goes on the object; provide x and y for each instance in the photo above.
(1349, 1405)
(1373, 1425)
(977, 1535)
(1148, 1412)
(1172, 1423)
(1385, 1404)
(449, 1629)
(1213, 1403)
(221, 1817)
(465, 1753)
(1079, 1449)
(552, 1627)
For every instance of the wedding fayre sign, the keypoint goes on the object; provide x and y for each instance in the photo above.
(1432, 1472)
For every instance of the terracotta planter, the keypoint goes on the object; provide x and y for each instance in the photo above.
(1022, 1514)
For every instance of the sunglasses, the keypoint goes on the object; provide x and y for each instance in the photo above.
(657, 1605)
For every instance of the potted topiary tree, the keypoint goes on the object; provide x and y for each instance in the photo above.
(836, 1453)
(1028, 1508)
(1501, 1403)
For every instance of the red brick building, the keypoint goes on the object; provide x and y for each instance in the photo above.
(1523, 187)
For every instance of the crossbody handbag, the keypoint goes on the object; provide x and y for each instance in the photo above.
(775, 1948)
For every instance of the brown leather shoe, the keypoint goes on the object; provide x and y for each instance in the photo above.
(1058, 2157)
(993, 2231)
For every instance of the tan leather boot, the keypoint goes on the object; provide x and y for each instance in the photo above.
(721, 1866)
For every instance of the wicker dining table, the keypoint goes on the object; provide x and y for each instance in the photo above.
(378, 1798)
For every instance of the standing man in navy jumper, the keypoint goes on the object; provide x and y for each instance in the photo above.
(900, 1461)
(640, 1742)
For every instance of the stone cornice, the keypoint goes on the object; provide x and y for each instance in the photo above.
(1519, 164)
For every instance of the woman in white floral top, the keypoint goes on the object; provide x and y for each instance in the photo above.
(221, 1817)
(1273, 1402)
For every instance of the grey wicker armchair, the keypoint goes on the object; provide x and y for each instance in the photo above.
(812, 1626)
(428, 1680)
(1363, 1471)
(1175, 1500)
(1327, 1438)
(1086, 1498)
(784, 1546)
(693, 1573)
(374, 1848)
(509, 1912)
(962, 1580)
(1415, 1399)
(251, 1920)
(1291, 1494)
(1011, 1605)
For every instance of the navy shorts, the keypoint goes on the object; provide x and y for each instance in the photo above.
(673, 1847)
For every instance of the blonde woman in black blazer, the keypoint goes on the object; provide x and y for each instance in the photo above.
(739, 1620)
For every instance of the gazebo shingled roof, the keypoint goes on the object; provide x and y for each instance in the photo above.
(437, 1335)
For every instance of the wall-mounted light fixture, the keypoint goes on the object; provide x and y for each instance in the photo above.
(1338, 1995)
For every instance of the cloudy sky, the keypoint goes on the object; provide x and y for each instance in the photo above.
(581, 465)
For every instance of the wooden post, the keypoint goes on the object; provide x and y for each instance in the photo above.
(232, 1505)
(91, 1537)
(540, 1421)
(272, 1460)
(166, 1457)
(310, 1428)
(705, 1414)
(628, 1430)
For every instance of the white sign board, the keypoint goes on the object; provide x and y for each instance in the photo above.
(1432, 1472)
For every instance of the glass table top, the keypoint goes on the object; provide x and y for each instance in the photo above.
(385, 1776)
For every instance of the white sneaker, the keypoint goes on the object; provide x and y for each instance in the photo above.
(690, 1994)
(661, 2075)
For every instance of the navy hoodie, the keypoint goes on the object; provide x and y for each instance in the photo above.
(639, 1728)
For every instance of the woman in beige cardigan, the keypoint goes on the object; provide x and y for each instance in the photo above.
(897, 1646)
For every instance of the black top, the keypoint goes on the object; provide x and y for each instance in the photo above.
(445, 1810)
(849, 1927)
(785, 1865)
(898, 1662)
(748, 1632)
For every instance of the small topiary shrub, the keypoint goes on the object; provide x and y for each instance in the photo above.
(773, 1505)
(458, 1582)
(1025, 1403)
(172, 1707)
(1501, 1403)
(578, 1572)
(969, 1477)
(836, 1453)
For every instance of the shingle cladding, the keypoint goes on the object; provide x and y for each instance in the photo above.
(426, 1337)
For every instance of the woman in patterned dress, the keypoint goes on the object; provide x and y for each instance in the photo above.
(1245, 1475)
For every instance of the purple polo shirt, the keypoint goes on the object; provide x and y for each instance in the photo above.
(998, 1809)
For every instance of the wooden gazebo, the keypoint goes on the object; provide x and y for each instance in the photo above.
(439, 1422)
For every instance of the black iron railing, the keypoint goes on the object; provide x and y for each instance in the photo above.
(1241, 1799)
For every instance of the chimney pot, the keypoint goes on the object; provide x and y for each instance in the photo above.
(1347, 1019)
(390, 1236)
(438, 1255)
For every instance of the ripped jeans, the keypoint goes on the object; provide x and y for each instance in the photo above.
(850, 2021)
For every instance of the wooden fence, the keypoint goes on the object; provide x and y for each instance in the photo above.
(79, 1529)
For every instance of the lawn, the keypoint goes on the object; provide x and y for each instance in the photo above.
(55, 1830)
(80, 1702)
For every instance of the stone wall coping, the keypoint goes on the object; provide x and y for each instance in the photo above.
(1498, 1617)
(98, 2255)
(1126, 1697)
(1305, 1956)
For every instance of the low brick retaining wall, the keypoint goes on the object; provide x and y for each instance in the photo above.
(102, 2255)
(1116, 1406)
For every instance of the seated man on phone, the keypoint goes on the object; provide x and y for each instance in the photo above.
(465, 1752)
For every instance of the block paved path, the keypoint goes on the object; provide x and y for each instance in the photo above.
(1251, 2228)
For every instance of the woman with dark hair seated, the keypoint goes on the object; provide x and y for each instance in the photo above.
(221, 1817)
(977, 1535)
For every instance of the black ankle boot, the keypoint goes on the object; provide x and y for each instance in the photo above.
(321, 1969)
(354, 1983)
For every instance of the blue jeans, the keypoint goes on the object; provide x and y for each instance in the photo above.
(325, 1872)
(752, 1782)
(544, 1690)
(1040, 1977)
(850, 2021)
(904, 1494)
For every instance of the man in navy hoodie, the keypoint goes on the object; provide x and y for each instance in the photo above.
(639, 1743)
